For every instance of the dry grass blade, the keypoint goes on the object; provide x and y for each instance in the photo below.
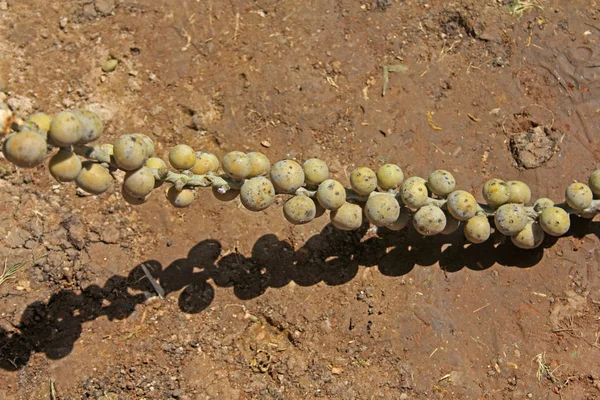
(159, 290)
(52, 390)
(520, 7)
(10, 271)
(545, 371)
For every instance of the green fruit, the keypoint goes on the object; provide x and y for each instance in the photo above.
(413, 192)
(257, 193)
(315, 171)
(320, 210)
(139, 183)
(110, 65)
(182, 157)
(519, 192)
(129, 152)
(441, 183)
(229, 195)
(299, 210)
(495, 192)
(579, 196)
(180, 199)
(107, 148)
(530, 237)
(510, 219)
(287, 176)
(477, 229)
(382, 209)
(260, 164)
(65, 129)
(348, 217)
(542, 203)
(237, 165)
(161, 167)
(93, 178)
(331, 194)
(91, 126)
(148, 143)
(6, 117)
(452, 224)
(25, 149)
(42, 121)
(402, 221)
(363, 180)
(29, 126)
(462, 205)
(65, 166)
(555, 221)
(588, 214)
(429, 220)
(133, 200)
(158, 164)
(389, 176)
(205, 163)
(594, 182)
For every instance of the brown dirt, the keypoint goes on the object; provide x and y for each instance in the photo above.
(257, 308)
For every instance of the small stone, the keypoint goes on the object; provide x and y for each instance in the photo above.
(106, 114)
(89, 11)
(20, 104)
(105, 6)
(155, 110)
(67, 103)
(30, 244)
(110, 65)
(176, 394)
(110, 234)
(63, 22)
(3, 6)
(265, 143)
(17, 237)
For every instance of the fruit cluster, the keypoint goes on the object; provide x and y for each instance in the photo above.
(384, 198)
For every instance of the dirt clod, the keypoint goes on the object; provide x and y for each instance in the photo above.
(533, 148)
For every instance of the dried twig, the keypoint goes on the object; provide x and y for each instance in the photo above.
(159, 290)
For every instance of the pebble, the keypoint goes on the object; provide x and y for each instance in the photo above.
(20, 104)
(30, 244)
(17, 237)
(105, 6)
(110, 65)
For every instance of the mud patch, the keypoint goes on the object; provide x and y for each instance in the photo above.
(532, 148)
